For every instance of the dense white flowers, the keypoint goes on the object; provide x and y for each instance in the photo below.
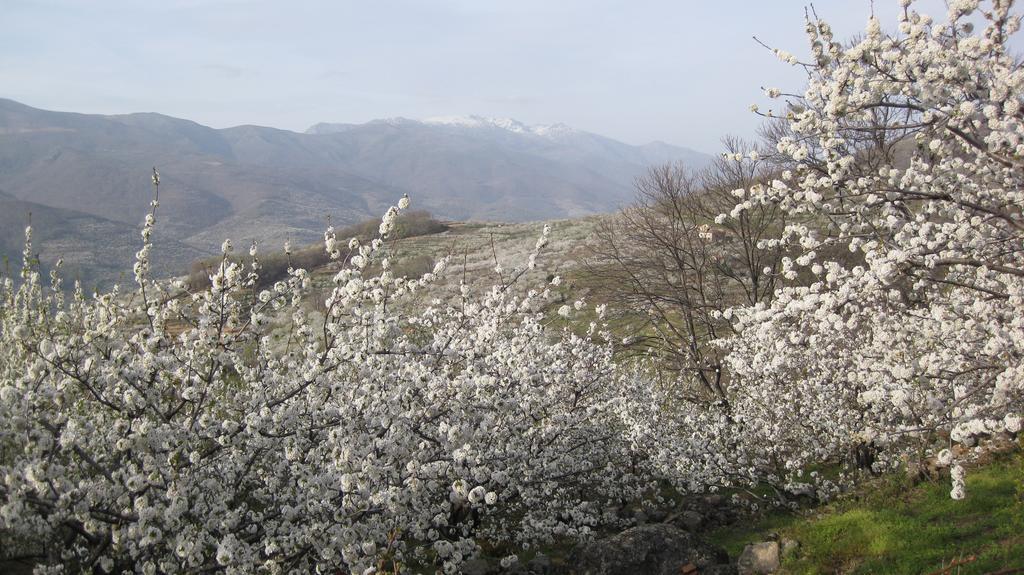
(1012, 423)
(944, 458)
(904, 166)
(235, 429)
(957, 474)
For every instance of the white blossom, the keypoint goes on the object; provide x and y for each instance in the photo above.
(259, 436)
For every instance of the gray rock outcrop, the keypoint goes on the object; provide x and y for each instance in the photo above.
(654, 549)
(760, 559)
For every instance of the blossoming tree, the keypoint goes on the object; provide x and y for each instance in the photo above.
(907, 150)
(258, 440)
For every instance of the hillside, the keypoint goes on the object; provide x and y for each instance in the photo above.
(477, 248)
(251, 182)
(97, 251)
(896, 525)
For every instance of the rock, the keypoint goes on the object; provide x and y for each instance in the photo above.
(723, 516)
(789, 547)
(655, 549)
(759, 559)
(691, 520)
(657, 515)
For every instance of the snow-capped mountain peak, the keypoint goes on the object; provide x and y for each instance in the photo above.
(509, 124)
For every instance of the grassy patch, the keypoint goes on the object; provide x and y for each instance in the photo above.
(892, 527)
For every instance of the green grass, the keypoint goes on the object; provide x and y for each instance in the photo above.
(890, 526)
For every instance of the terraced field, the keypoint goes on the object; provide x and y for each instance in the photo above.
(478, 248)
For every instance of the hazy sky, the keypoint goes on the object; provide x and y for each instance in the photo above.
(683, 71)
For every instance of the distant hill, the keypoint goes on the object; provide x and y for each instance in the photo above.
(90, 175)
(97, 251)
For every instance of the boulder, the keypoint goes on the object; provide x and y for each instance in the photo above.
(759, 559)
(655, 549)
(691, 520)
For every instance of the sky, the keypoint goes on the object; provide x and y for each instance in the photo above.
(679, 71)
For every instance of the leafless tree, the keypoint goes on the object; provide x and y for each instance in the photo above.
(675, 271)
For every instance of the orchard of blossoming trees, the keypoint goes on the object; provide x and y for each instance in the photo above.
(387, 433)
(907, 151)
(374, 435)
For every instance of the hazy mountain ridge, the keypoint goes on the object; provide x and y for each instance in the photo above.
(252, 182)
(96, 251)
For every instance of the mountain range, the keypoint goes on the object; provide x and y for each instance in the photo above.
(85, 178)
